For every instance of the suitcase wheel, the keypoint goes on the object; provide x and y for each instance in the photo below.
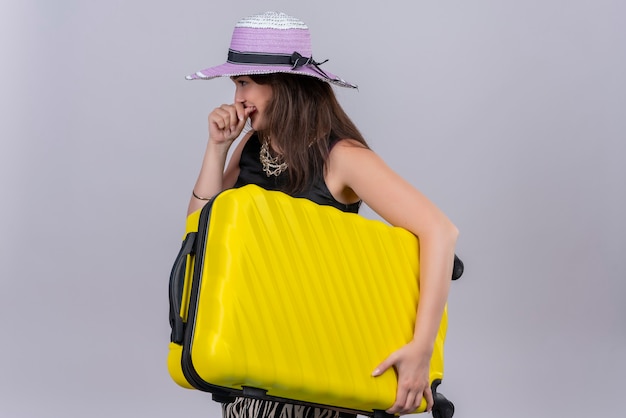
(442, 408)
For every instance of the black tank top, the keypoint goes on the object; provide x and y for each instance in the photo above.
(251, 172)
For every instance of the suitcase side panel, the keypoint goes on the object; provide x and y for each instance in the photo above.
(174, 356)
(174, 365)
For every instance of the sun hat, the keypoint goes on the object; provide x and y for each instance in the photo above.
(268, 43)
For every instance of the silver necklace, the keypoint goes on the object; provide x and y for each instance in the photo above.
(272, 166)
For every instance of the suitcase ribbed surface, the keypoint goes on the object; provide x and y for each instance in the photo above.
(303, 300)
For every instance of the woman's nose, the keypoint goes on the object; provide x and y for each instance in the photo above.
(239, 96)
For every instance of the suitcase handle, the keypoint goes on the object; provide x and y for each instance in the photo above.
(177, 282)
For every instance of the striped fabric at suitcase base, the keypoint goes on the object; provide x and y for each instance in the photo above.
(278, 298)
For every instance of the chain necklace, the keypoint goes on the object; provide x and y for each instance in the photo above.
(272, 166)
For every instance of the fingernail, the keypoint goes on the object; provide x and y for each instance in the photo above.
(376, 372)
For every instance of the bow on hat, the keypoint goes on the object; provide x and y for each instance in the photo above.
(295, 60)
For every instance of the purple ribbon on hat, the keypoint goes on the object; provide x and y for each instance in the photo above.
(294, 60)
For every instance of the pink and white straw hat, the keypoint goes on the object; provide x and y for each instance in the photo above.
(270, 43)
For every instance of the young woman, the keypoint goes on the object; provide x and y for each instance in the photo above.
(302, 142)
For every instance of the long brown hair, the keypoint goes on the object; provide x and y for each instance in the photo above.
(303, 116)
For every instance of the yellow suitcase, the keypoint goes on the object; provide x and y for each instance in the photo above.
(279, 298)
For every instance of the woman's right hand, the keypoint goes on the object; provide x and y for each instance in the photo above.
(226, 123)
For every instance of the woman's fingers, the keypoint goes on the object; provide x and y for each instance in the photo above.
(428, 394)
(226, 122)
(412, 368)
(386, 364)
(407, 401)
(225, 117)
(233, 119)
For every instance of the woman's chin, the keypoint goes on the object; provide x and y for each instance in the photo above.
(256, 124)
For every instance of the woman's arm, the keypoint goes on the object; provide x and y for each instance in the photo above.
(225, 124)
(360, 171)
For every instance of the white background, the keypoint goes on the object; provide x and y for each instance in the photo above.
(510, 115)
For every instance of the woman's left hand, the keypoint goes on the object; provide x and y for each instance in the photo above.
(412, 366)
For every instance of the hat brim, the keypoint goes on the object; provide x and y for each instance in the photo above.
(233, 70)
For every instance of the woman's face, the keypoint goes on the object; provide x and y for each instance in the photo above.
(255, 98)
